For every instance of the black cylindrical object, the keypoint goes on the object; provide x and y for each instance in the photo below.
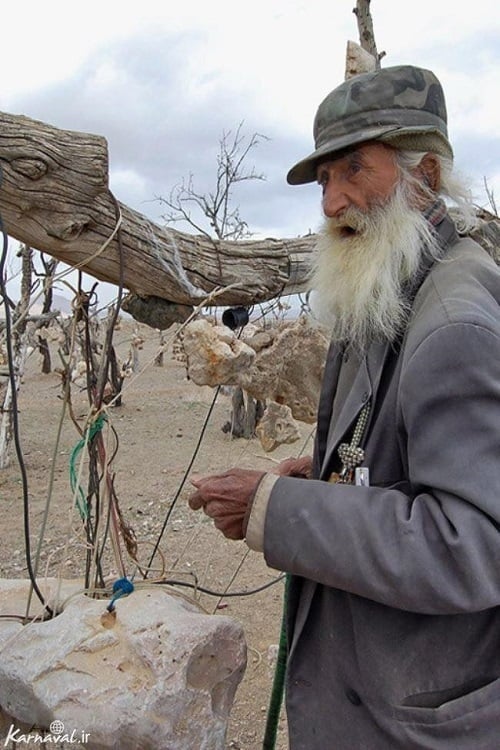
(235, 317)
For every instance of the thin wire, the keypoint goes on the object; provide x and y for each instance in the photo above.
(184, 478)
(130, 381)
(223, 594)
(231, 580)
(15, 420)
(50, 488)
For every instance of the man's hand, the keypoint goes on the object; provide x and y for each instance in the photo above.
(227, 499)
(295, 467)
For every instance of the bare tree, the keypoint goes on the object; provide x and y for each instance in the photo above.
(185, 203)
(490, 195)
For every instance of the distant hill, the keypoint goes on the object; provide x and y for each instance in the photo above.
(59, 302)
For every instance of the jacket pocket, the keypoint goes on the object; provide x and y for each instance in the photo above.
(454, 703)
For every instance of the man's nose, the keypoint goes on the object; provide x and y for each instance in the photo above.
(334, 200)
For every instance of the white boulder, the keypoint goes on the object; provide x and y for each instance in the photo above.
(158, 674)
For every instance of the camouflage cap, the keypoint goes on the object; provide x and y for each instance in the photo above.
(403, 106)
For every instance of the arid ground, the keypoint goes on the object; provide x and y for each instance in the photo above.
(158, 426)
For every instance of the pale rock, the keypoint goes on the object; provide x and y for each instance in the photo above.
(287, 366)
(277, 426)
(272, 657)
(260, 340)
(162, 674)
(214, 354)
(290, 370)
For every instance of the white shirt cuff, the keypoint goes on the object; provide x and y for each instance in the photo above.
(255, 528)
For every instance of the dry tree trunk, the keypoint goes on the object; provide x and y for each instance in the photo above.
(49, 266)
(54, 196)
(6, 421)
(246, 411)
(365, 30)
(19, 349)
(158, 361)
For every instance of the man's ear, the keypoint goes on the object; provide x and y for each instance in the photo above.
(429, 170)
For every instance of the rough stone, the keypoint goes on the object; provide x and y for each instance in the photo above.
(287, 368)
(214, 354)
(159, 674)
(291, 369)
(358, 60)
(277, 426)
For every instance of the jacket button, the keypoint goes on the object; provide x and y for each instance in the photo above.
(353, 697)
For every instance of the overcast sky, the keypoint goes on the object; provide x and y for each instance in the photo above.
(161, 80)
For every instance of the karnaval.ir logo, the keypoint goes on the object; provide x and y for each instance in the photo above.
(56, 727)
(57, 735)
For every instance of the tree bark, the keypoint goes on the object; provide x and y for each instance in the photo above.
(54, 196)
(365, 30)
(18, 350)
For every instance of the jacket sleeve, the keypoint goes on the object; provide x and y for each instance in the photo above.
(431, 545)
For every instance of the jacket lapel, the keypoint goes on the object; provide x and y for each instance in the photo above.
(364, 388)
(330, 380)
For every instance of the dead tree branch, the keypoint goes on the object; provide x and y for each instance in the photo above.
(365, 29)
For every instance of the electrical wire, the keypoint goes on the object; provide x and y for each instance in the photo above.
(184, 479)
(221, 594)
(15, 420)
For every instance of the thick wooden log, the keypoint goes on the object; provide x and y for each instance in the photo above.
(54, 196)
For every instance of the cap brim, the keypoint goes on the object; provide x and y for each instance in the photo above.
(305, 170)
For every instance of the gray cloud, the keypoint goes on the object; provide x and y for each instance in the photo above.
(163, 123)
(163, 111)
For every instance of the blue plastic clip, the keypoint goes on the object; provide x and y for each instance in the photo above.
(121, 587)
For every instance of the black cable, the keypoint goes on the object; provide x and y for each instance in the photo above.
(219, 594)
(15, 420)
(183, 481)
(186, 473)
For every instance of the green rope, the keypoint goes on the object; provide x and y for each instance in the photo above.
(92, 431)
(278, 688)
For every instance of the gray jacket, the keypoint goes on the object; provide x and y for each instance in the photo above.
(394, 604)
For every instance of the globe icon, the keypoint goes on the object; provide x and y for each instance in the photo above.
(56, 727)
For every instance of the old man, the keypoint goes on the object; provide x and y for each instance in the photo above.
(392, 534)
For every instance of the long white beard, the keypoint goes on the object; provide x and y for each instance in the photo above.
(363, 260)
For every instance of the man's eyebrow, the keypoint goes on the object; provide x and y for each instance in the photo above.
(352, 154)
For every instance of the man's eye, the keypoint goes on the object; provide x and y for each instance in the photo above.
(355, 166)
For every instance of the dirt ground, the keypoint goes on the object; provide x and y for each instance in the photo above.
(158, 427)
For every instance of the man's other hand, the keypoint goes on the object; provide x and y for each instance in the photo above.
(227, 498)
(295, 467)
